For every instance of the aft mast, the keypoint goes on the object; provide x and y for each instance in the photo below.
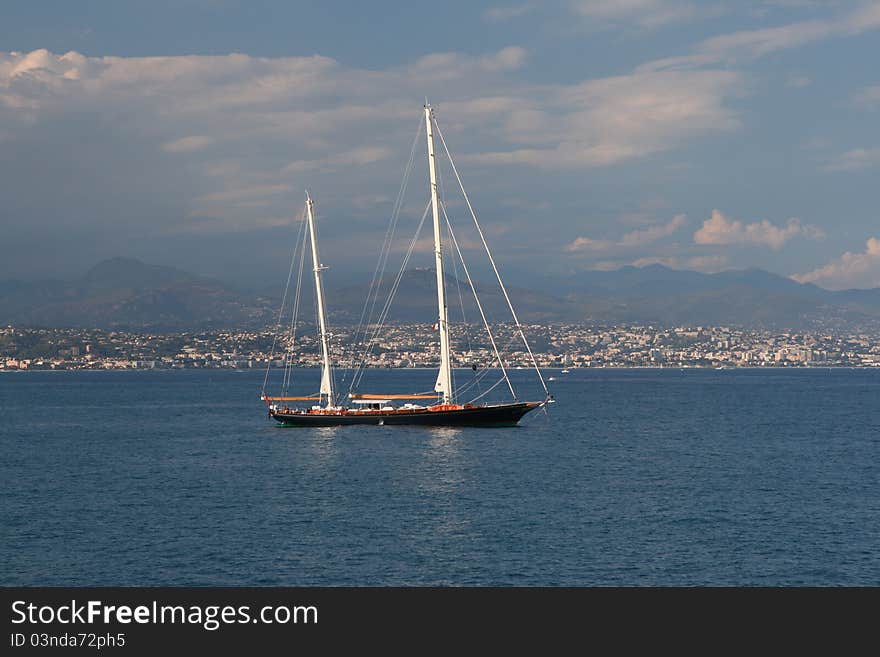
(444, 378)
(318, 268)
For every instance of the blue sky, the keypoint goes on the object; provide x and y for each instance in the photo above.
(590, 133)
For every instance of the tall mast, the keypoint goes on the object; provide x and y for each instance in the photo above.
(444, 378)
(326, 379)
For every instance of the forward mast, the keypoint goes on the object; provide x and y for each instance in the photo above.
(318, 269)
(444, 377)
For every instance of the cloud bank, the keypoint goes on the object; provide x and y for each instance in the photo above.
(746, 45)
(631, 240)
(720, 231)
(850, 270)
(856, 159)
(122, 152)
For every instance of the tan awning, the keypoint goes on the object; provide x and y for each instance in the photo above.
(384, 397)
(291, 399)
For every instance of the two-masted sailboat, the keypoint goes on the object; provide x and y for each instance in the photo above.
(443, 407)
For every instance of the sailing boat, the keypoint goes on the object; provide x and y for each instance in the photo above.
(379, 409)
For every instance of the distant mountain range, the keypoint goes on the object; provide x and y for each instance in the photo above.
(123, 293)
(128, 294)
(751, 297)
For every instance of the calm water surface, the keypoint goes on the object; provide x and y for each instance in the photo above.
(644, 477)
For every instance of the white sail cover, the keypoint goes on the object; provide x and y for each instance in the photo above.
(442, 384)
(326, 388)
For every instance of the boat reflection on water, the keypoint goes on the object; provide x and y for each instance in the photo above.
(445, 437)
(322, 445)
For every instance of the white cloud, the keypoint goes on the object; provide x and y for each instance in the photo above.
(445, 65)
(869, 97)
(322, 111)
(854, 160)
(245, 193)
(719, 230)
(760, 42)
(187, 144)
(587, 244)
(508, 12)
(610, 120)
(276, 125)
(647, 14)
(354, 157)
(653, 233)
(849, 270)
(270, 125)
(799, 4)
(507, 59)
(707, 263)
(633, 239)
(798, 81)
(371, 201)
(753, 44)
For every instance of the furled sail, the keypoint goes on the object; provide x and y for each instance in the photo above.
(326, 387)
(442, 385)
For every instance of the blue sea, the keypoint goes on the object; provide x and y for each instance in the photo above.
(634, 477)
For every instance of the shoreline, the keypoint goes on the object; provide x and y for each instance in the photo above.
(682, 368)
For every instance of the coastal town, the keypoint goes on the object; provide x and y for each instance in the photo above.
(402, 346)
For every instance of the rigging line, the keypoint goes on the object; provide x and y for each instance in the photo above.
(385, 250)
(372, 296)
(495, 385)
(384, 314)
(478, 377)
(484, 372)
(375, 283)
(445, 248)
(369, 345)
(461, 305)
(492, 261)
(281, 310)
(477, 299)
(294, 315)
(464, 322)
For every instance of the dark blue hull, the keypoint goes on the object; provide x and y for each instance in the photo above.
(477, 416)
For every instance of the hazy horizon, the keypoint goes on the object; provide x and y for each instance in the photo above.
(350, 278)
